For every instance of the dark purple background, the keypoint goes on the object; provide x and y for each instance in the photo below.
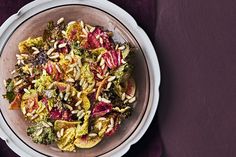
(195, 42)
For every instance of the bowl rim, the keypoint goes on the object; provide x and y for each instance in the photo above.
(37, 6)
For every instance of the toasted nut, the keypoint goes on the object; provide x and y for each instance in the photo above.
(58, 134)
(77, 75)
(70, 80)
(45, 124)
(36, 52)
(78, 94)
(63, 32)
(29, 114)
(111, 78)
(39, 132)
(92, 29)
(81, 116)
(26, 91)
(78, 103)
(74, 111)
(92, 135)
(83, 36)
(62, 45)
(122, 47)
(103, 66)
(13, 72)
(99, 57)
(97, 36)
(67, 88)
(35, 49)
(25, 55)
(50, 51)
(86, 28)
(22, 62)
(102, 62)
(99, 76)
(54, 56)
(123, 61)
(80, 113)
(23, 109)
(31, 71)
(73, 93)
(19, 58)
(112, 122)
(109, 129)
(101, 40)
(105, 100)
(108, 85)
(128, 97)
(99, 98)
(84, 31)
(71, 22)
(34, 117)
(55, 44)
(66, 96)
(99, 126)
(77, 68)
(60, 20)
(58, 69)
(50, 86)
(85, 85)
(79, 62)
(50, 124)
(18, 82)
(132, 100)
(116, 46)
(107, 74)
(82, 24)
(102, 118)
(123, 97)
(81, 82)
(62, 132)
(69, 107)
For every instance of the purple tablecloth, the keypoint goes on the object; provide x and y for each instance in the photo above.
(145, 14)
(195, 42)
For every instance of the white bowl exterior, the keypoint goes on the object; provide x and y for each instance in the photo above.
(153, 66)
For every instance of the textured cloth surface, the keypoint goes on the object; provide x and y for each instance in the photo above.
(145, 13)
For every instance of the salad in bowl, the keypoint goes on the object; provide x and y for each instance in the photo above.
(73, 84)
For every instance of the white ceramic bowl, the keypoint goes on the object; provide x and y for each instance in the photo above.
(30, 21)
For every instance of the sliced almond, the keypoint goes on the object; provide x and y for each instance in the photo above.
(71, 22)
(39, 132)
(132, 100)
(92, 135)
(111, 78)
(82, 24)
(62, 45)
(60, 21)
(50, 51)
(70, 80)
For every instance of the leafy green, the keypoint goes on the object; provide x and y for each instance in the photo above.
(26, 45)
(83, 129)
(67, 140)
(46, 136)
(42, 83)
(10, 95)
